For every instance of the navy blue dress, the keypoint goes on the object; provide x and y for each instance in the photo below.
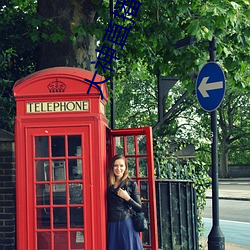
(121, 231)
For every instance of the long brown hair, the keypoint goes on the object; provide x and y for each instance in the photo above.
(111, 175)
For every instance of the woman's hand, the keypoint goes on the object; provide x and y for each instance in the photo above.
(123, 194)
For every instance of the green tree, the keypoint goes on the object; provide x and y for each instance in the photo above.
(161, 25)
(17, 54)
(67, 29)
(233, 120)
(234, 117)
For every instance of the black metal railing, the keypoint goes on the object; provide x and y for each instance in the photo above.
(176, 211)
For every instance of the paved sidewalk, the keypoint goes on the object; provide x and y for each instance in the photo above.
(230, 194)
(228, 246)
(242, 193)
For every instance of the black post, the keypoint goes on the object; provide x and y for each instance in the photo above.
(112, 85)
(216, 240)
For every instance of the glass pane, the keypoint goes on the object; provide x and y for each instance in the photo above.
(59, 194)
(42, 170)
(144, 190)
(76, 217)
(58, 146)
(40, 194)
(74, 145)
(145, 209)
(43, 218)
(60, 217)
(119, 145)
(58, 171)
(131, 167)
(75, 193)
(77, 240)
(142, 144)
(61, 240)
(46, 195)
(143, 164)
(44, 241)
(75, 169)
(130, 145)
(41, 146)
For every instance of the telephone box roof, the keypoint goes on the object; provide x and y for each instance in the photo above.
(23, 86)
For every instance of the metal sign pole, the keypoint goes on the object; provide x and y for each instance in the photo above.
(216, 240)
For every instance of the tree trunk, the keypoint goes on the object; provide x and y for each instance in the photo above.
(73, 50)
(223, 166)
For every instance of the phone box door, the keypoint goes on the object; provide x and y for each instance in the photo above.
(59, 205)
(137, 146)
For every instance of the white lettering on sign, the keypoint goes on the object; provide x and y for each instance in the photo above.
(49, 107)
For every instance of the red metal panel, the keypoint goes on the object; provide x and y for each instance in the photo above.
(147, 131)
(21, 184)
(95, 216)
(152, 194)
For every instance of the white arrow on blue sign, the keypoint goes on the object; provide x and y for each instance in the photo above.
(210, 86)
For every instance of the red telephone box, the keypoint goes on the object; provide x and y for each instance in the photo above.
(62, 150)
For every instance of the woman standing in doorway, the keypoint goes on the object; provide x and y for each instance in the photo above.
(122, 195)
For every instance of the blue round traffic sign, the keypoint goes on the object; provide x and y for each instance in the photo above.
(210, 86)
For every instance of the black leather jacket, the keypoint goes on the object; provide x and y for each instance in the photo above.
(118, 208)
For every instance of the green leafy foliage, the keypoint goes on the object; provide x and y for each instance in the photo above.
(160, 24)
(17, 54)
(176, 168)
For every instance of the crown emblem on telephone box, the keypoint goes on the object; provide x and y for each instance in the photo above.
(56, 86)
